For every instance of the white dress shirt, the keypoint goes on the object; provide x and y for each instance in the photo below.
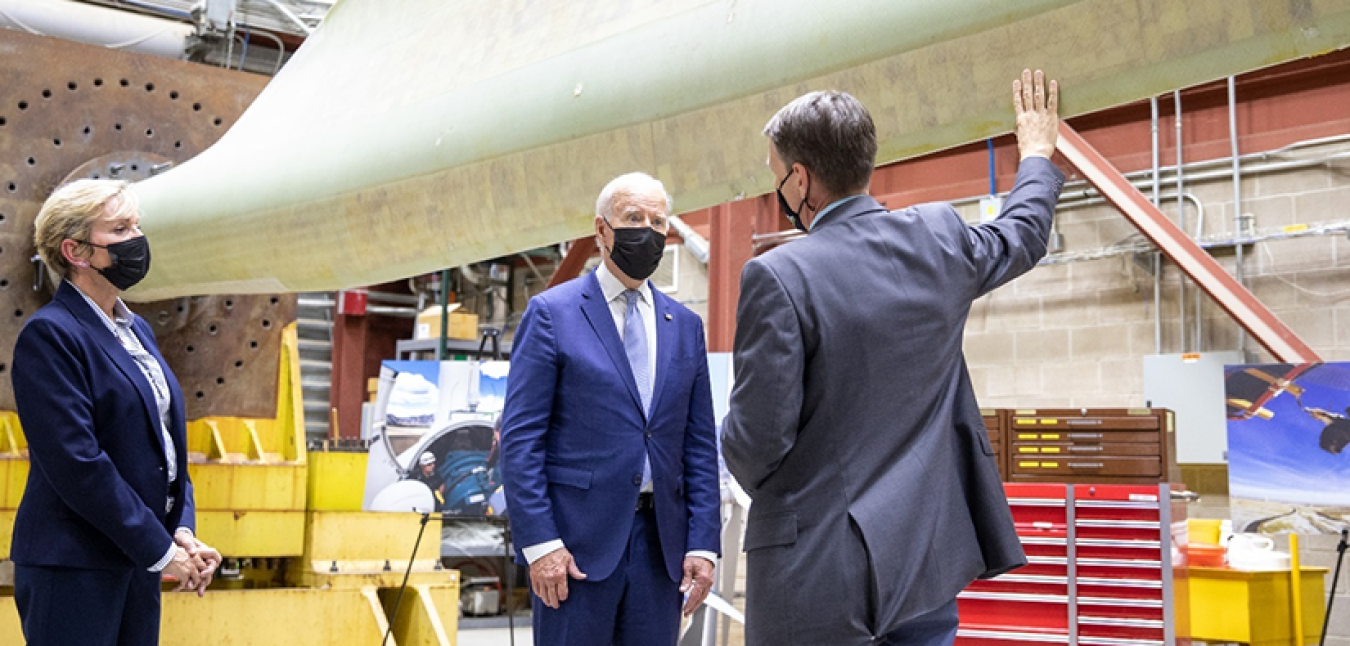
(618, 308)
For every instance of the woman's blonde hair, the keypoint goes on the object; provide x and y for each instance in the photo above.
(71, 211)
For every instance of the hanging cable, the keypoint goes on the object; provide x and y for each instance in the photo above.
(393, 616)
(993, 182)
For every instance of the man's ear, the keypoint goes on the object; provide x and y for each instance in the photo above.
(802, 177)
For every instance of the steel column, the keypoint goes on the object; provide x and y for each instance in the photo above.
(730, 228)
(1249, 312)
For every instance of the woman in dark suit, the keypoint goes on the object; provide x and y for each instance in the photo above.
(108, 505)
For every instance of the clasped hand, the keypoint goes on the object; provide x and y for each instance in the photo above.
(194, 563)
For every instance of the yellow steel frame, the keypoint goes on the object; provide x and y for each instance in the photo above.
(260, 496)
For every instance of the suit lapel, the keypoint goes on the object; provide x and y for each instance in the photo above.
(597, 313)
(665, 342)
(112, 347)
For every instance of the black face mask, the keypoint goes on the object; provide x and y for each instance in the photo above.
(637, 250)
(130, 262)
(793, 216)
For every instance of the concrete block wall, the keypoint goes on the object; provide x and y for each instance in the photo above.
(1076, 334)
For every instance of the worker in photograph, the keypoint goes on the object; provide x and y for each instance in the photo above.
(426, 474)
(853, 423)
(108, 508)
(608, 453)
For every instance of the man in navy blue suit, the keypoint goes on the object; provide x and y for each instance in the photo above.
(608, 450)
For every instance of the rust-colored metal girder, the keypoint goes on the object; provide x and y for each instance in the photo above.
(72, 110)
(1249, 312)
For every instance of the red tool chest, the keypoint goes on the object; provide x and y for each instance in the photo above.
(1099, 570)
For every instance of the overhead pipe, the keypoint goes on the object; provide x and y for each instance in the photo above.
(97, 25)
(1181, 222)
(1200, 171)
(1238, 229)
(695, 243)
(290, 15)
(1157, 255)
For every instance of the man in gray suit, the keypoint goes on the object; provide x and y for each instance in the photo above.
(853, 423)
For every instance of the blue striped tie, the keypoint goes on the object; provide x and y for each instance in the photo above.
(635, 346)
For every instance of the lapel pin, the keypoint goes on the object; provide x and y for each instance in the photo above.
(668, 317)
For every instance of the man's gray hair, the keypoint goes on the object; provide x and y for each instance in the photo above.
(832, 135)
(627, 184)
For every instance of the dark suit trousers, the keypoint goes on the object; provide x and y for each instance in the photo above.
(936, 628)
(59, 606)
(637, 605)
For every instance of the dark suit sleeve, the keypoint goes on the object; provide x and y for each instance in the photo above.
(702, 492)
(1014, 242)
(189, 517)
(770, 360)
(525, 421)
(51, 386)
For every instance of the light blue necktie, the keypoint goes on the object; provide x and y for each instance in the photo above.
(635, 346)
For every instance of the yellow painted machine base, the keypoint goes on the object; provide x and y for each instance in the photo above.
(427, 616)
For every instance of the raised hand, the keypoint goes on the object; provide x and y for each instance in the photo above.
(1037, 114)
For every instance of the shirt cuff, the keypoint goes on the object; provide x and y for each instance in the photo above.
(164, 562)
(535, 552)
(711, 557)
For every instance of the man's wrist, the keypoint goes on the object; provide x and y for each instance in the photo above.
(165, 560)
(540, 550)
(706, 555)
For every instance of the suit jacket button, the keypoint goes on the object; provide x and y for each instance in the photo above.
(637, 479)
(648, 435)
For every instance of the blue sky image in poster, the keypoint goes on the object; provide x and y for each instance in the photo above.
(1288, 459)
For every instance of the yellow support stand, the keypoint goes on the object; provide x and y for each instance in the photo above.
(316, 569)
(1295, 594)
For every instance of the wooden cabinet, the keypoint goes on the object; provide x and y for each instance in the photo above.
(1111, 446)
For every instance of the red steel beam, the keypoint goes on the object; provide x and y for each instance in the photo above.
(1250, 313)
(571, 264)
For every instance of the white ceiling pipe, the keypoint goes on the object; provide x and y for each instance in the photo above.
(96, 25)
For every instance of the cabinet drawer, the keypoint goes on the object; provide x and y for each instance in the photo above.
(1086, 466)
(1089, 449)
(1079, 437)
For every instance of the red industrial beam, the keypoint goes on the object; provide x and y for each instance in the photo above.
(571, 265)
(1250, 313)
